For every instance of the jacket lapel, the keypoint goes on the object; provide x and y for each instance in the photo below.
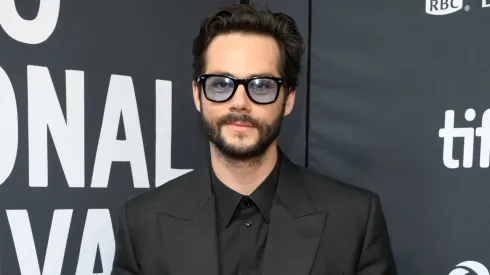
(187, 224)
(296, 227)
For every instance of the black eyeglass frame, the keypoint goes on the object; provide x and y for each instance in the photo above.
(201, 79)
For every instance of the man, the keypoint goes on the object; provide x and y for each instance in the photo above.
(250, 210)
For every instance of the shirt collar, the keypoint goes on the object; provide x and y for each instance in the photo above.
(227, 199)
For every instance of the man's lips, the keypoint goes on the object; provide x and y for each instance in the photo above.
(239, 124)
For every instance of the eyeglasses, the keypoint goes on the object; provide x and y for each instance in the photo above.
(220, 88)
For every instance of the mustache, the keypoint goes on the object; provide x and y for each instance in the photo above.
(231, 118)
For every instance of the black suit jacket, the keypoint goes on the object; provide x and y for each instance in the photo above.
(319, 226)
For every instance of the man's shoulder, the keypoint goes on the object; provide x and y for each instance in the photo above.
(328, 192)
(164, 194)
(325, 191)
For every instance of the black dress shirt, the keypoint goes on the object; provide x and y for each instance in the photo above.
(243, 225)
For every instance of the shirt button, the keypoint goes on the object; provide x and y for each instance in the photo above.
(248, 223)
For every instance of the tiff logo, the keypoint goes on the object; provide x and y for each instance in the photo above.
(449, 132)
(445, 7)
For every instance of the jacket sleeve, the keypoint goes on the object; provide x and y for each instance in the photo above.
(124, 259)
(376, 257)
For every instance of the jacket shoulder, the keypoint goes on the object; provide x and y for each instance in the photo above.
(152, 199)
(327, 192)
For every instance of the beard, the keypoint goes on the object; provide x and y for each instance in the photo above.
(267, 134)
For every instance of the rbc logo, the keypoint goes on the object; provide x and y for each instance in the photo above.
(442, 7)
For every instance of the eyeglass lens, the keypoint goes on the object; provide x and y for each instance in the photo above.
(219, 88)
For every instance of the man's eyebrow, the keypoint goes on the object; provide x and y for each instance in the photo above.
(263, 75)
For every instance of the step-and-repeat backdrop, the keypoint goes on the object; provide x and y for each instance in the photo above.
(96, 105)
(399, 104)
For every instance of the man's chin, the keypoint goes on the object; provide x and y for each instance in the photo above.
(246, 137)
(239, 141)
(239, 151)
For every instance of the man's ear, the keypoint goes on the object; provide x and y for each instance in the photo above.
(290, 100)
(195, 93)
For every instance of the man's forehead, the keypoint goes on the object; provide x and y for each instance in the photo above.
(243, 58)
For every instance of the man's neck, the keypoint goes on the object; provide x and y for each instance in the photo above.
(243, 176)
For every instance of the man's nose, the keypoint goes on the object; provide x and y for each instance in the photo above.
(240, 101)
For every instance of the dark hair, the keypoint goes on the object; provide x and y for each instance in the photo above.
(249, 19)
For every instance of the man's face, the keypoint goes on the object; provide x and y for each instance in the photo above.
(240, 128)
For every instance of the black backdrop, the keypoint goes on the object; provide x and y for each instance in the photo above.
(96, 105)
